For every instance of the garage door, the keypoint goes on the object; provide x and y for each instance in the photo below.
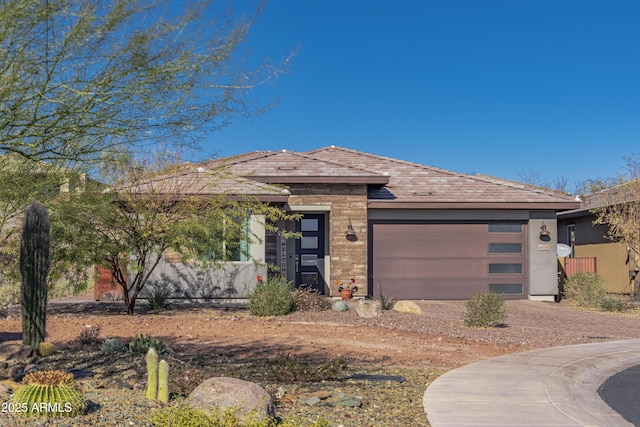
(448, 260)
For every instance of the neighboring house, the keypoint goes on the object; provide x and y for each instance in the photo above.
(611, 260)
(404, 229)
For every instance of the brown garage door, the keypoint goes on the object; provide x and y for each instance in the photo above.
(448, 260)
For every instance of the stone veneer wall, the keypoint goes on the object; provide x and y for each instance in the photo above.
(348, 203)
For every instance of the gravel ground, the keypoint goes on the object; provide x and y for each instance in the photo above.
(384, 403)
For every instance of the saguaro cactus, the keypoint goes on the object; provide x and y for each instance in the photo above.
(34, 267)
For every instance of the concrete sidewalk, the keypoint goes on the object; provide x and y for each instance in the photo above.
(550, 387)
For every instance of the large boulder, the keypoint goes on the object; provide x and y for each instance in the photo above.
(368, 308)
(407, 307)
(225, 392)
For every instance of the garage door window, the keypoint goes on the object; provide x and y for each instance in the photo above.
(511, 288)
(505, 227)
(505, 268)
(505, 248)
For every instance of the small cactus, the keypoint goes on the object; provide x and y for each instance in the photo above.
(163, 381)
(157, 377)
(340, 306)
(49, 394)
(142, 343)
(152, 374)
(112, 345)
(45, 349)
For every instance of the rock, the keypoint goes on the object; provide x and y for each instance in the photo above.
(351, 402)
(368, 308)
(407, 307)
(225, 392)
(313, 400)
(15, 372)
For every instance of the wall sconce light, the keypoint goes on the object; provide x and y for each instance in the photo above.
(350, 231)
(545, 236)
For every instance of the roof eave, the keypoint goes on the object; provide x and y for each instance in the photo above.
(393, 204)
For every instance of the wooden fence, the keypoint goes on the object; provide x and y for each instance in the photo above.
(579, 265)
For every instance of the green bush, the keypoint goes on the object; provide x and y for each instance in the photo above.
(141, 344)
(272, 297)
(585, 289)
(158, 299)
(112, 345)
(309, 299)
(610, 303)
(183, 415)
(484, 310)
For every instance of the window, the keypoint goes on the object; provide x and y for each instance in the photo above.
(505, 268)
(505, 227)
(505, 248)
(571, 234)
(225, 241)
(510, 288)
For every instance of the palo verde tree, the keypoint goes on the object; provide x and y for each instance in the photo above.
(154, 205)
(619, 208)
(79, 78)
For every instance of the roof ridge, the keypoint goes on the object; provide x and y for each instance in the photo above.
(337, 163)
(393, 160)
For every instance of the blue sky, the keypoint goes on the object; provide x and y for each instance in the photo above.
(503, 88)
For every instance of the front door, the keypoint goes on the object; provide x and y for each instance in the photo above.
(310, 252)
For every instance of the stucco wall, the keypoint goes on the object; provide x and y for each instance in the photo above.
(543, 258)
(611, 264)
(232, 280)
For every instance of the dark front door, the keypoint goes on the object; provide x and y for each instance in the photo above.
(310, 252)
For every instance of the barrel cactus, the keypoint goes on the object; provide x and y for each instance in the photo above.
(34, 267)
(45, 349)
(49, 394)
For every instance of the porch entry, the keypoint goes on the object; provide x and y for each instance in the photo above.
(310, 252)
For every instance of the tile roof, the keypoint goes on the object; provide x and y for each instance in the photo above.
(621, 193)
(193, 180)
(392, 183)
(415, 183)
(286, 167)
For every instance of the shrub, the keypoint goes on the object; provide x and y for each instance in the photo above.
(386, 302)
(272, 297)
(484, 310)
(158, 300)
(340, 305)
(585, 289)
(112, 345)
(141, 344)
(183, 415)
(610, 303)
(309, 299)
(88, 335)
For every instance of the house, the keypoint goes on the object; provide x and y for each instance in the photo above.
(401, 228)
(593, 250)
